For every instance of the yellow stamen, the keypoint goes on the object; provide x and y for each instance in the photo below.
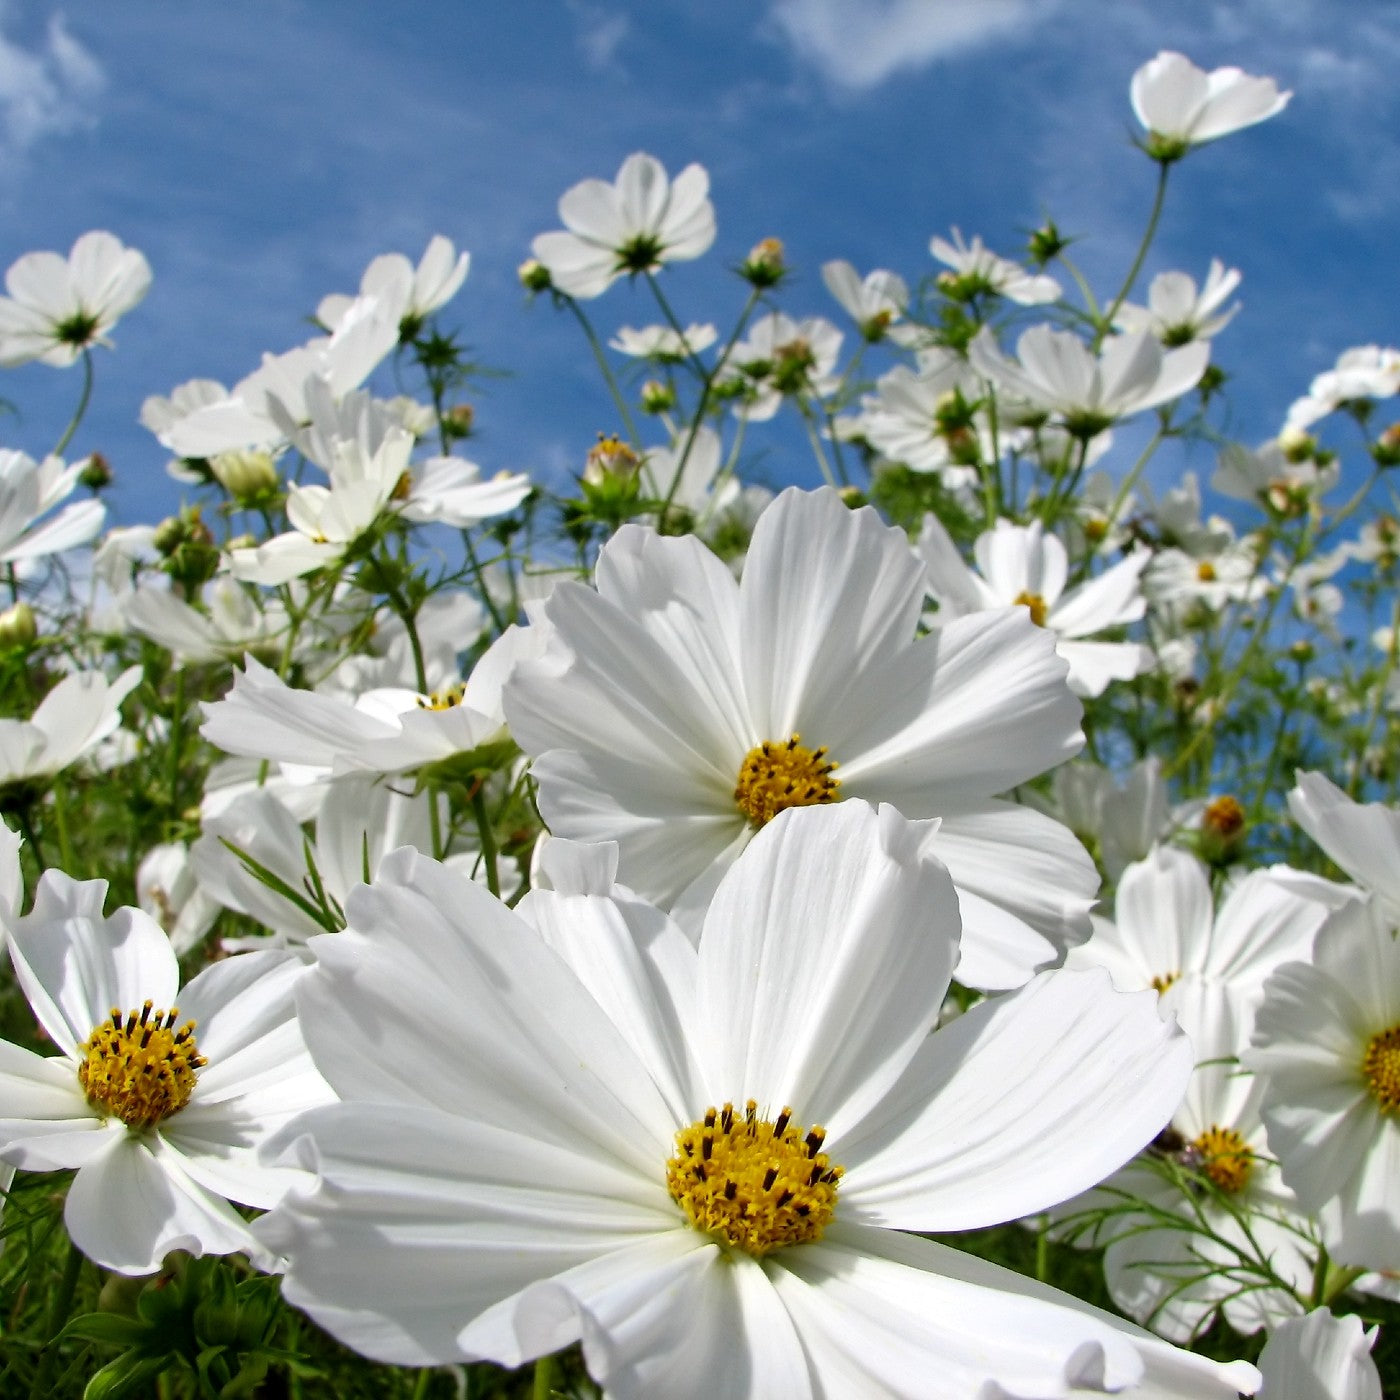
(1036, 604)
(1225, 1158)
(1380, 1068)
(775, 776)
(1161, 982)
(1224, 816)
(442, 699)
(140, 1068)
(1205, 571)
(751, 1183)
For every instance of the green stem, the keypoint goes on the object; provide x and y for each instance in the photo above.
(177, 732)
(1106, 324)
(83, 400)
(608, 377)
(488, 840)
(59, 1309)
(546, 1374)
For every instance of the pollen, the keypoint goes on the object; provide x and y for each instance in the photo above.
(1205, 571)
(1224, 816)
(753, 1183)
(446, 699)
(1163, 980)
(1380, 1068)
(139, 1068)
(775, 776)
(1225, 1158)
(1036, 604)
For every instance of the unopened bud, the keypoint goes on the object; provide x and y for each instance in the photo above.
(246, 476)
(1222, 829)
(1387, 448)
(1046, 243)
(657, 397)
(459, 420)
(96, 472)
(17, 628)
(534, 275)
(765, 265)
(1296, 445)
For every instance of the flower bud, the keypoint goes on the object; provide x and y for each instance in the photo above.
(610, 460)
(534, 276)
(765, 265)
(1046, 243)
(17, 628)
(1296, 445)
(657, 397)
(1387, 449)
(96, 472)
(246, 476)
(1222, 830)
(459, 420)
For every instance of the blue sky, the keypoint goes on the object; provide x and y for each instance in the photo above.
(261, 153)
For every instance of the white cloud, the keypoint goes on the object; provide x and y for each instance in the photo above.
(860, 43)
(47, 90)
(600, 33)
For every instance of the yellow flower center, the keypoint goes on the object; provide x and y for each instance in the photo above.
(775, 776)
(1380, 1067)
(1163, 980)
(1224, 816)
(1205, 571)
(1225, 1158)
(751, 1183)
(442, 699)
(140, 1069)
(1036, 604)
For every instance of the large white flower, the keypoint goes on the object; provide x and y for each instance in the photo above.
(675, 711)
(28, 490)
(72, 719)
(1021, 566)
(59, 306)
(567, 1124)
(1328, 1039)
(634, 225)
(1181, 106)
(1056, 372)
(160, 1095)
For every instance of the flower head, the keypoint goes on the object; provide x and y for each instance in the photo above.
(1181, 106)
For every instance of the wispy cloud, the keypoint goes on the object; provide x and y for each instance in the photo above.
(46, 90)
(857, 44)
(600, 33)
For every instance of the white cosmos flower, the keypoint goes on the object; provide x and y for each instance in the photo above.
(664, 343)
(1269, 478)
(59, 306)
(410, 294)
(29, 490)
(781, 357)
(1177, 313)
(915, 416)
(159, 1152)
(167, 890)
(976, 269)
(1363, 372)
(1361, 837)
(873, 302)
(636, 224)
(649, 708)
(1021, 566)
(1320, 1357)
(528, 1095)
(71, 720)
(1055, 371)
(1181, 106)
(1327, 1038)
(230, 622)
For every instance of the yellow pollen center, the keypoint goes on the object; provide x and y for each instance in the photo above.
(1380, 1067)
(1036, 604)
(751, 1183)
(442, 699)
(1225, 1158)
(775, 776)
(1162, 981)
(1224, 816)
(140, 1069)
(1205, 571)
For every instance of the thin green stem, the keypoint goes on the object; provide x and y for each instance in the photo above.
(83, 400)
(546, 1374)
(609, 378)
(1149, 233)
(488, 839)
(60, 1306)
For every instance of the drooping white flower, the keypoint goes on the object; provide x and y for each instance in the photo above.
(977, 270)
(675, 711)
(1180, 105)
(520, 1158)
(1177, 313)
(1058, 373)
(636, 224)
(29, 490)
(80, 712)
(874, 302)
(1021, 566)
(160, 1095)
(1327, 1040)
(1320, 1357)
(59, 306)
(410, 294)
